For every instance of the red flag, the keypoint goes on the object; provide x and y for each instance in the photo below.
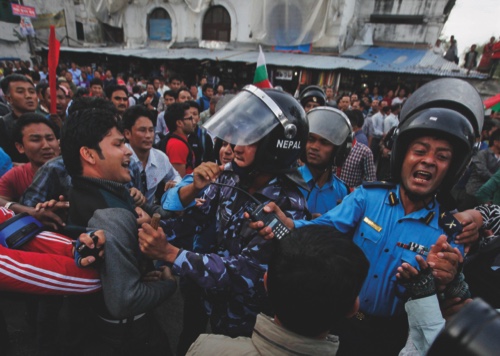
(54, 48)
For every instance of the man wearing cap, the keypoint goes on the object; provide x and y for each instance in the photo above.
(312, 97)
(328, 144)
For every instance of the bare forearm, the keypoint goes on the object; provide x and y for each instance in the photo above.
(187, 194)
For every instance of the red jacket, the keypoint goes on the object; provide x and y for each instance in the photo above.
(496, 50)
(45, 266)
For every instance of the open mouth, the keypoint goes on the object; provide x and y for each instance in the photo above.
(126, 164)
(422, 176)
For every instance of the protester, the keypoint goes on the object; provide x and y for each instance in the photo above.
(329, 290)
(97, 159)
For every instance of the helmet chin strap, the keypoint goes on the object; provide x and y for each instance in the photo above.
(416, 198)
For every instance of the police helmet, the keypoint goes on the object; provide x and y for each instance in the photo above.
(312, 93)
(334, 126)
(271, 117)
(446, 108)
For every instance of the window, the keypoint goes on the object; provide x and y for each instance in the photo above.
(216, 25)
(159, 25)
(80, 34)
(6, 12)
(112, 34)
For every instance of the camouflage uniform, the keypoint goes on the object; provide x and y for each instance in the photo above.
(232, 276)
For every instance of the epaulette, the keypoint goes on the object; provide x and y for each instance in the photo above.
(379, 184)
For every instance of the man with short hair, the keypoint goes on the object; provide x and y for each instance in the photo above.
(35, 137)
(484, 165)
(392, 119)
(183, 95)
(21, 96)
(161, 129)
(207, 94)
(344, 102)
(108, 79)
(69, 79)
(76, 73)
(193, 89)
(357, 125)
(359, 165)
(96, 87)
(61, 103)
(118, 95)
(162, 87)
(156, 170)
(180, 124)
(200, 140)
(316, 255)
(96, 157)
(150, 100)
(368, 125)
(330, 97)
(205, 115)
(175, 82)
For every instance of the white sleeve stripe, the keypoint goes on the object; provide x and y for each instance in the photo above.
(44, 271)
(47, 286)
(53, 238)
(19, 271)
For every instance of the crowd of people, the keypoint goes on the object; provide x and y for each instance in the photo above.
(376, 241)
(490, 57)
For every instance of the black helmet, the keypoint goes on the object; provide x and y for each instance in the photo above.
(448, 93)
(271, 117)
(448, 108)
(312, 93)
(334, 126)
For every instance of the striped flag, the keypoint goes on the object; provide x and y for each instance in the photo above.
(260, 78)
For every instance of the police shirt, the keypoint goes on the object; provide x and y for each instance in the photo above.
(387, 236)
(320, 200)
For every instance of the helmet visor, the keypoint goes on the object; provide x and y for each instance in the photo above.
(243, 121)
(330, 124)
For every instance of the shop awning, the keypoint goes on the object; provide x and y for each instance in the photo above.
(359, 58)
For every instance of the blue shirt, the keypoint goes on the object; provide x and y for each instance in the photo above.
(320, 200)
(378, 226)
(361, 137)
(5, 162)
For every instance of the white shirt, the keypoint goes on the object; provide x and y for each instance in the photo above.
(389, 122)
(158, 170)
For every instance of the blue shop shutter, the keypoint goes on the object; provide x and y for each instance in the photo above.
(160, 29)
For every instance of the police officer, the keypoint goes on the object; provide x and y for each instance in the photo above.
(328, 144)
(268, 128)
(312, 97)
(393, 223)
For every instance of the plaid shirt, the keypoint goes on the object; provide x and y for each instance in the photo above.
(50, 181)
(358, 166)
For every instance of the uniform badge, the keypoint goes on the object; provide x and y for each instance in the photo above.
(372, 224)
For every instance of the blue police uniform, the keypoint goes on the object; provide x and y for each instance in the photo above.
(322, 199)
(387, 236)
(231, 276)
